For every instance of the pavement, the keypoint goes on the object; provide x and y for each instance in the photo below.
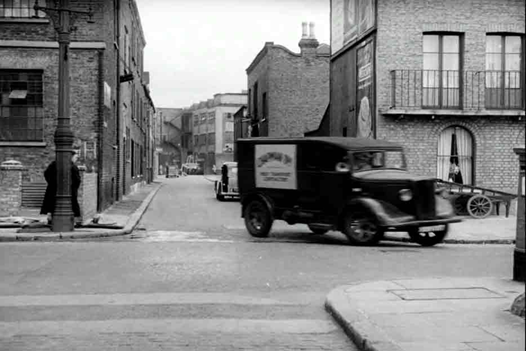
(441, 314)
(123, 216)
(436, 314)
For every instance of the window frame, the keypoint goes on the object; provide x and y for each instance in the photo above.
(441, 89)
(502, 80)
(28, 106)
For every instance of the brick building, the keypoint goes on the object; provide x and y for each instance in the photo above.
(445, 79)
(175, 136)
(109, 94)
(213, 129)
(289, 92)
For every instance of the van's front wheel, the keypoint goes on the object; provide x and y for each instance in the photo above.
(361, 227)
(258, 218)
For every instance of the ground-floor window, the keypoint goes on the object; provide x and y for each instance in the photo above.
(21, 105)
(455, 155)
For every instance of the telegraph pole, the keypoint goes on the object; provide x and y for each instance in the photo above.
(63, 20)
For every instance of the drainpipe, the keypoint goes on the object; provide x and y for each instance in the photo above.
(100, 147)
(118, 133)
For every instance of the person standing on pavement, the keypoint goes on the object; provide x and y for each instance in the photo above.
(50, 174)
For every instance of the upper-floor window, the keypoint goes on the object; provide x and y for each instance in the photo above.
(21, 105)
(504, 71)
(441, 74)
(265, 106)
(19, 8)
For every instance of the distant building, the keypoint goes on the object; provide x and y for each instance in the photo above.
(170, 153)
(213, 128)
(449, 87)
(289, 92)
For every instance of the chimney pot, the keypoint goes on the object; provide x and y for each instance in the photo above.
(311, 30)
(304, 28)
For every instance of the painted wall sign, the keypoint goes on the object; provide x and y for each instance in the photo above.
(364, 90)
(350, 19)
(275, 166)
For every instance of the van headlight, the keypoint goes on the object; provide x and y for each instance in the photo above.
(405, 194)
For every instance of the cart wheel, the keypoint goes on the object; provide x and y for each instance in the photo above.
(317, 230)
(459, 204)
(480, 206)
(258, 219)
(361, 227)
(428, 238)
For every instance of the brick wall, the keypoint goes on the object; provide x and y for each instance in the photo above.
(87, 196)
(298, 88)
(10, 189)
(401, 24)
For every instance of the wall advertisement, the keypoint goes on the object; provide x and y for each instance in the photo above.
(275, 166)
(364, 90)
(350, 19)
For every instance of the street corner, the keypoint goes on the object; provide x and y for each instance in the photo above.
(346, 305)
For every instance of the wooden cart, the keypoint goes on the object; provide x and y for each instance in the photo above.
(473, 200)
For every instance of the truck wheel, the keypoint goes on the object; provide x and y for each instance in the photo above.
(361, 228)
(317, 230)
(428, 238)
(258, 219)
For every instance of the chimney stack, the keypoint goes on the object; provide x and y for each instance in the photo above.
(304, 27)
(311, 30)
(308, 43)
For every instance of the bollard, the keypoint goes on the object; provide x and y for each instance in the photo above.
(519, 255)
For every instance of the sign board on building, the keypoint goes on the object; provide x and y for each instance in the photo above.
(275, 166)
(350, 19)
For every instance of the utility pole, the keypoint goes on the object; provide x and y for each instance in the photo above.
(63, 20)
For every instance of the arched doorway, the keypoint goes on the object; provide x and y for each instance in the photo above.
(455, 148)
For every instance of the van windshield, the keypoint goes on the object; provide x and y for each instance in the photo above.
(373, 160)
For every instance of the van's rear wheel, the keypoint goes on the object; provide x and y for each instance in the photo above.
(361, 227)
(258, 218)
(428, 238)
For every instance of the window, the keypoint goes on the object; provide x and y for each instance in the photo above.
(19, 8)
(504, 77)
(21, 105)
(228, 116)
(255, 101)
(196, 120)
(440, 77)
(196, 140)
(211, 139)
(455, 152)
(265, 106)
(229, 126)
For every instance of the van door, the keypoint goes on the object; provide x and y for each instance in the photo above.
(309, 176)
(333, 185)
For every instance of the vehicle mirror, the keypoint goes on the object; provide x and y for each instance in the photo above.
(342, 167)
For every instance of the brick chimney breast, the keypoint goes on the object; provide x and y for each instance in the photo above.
(308, 42)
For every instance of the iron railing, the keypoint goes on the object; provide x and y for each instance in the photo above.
(21, 123)
(19, 8)
(465, 90)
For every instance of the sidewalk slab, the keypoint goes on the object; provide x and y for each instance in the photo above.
(439, 314)
(125, 214)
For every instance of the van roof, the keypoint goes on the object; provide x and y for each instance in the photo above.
(344, 142)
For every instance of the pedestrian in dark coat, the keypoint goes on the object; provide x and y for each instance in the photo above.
(50, 174)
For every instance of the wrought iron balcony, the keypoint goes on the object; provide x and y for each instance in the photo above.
(457, 90)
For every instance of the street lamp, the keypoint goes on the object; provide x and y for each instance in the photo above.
(63, 20)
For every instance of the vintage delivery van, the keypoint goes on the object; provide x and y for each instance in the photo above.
(358, 186)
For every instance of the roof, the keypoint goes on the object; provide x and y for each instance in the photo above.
(344, 142)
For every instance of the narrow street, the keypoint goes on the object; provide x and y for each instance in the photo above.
(191, 278)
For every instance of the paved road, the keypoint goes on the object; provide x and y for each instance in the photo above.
(193, 279)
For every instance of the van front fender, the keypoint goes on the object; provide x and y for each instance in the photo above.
(385, 213)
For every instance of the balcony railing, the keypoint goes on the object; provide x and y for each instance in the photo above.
(464, 90)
